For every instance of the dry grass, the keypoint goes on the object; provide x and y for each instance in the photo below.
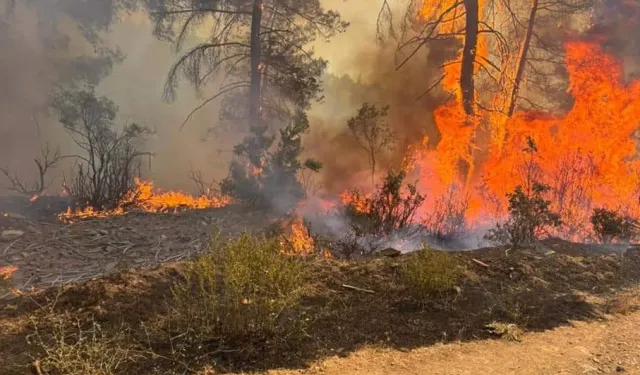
(509, 332)
(430, 273)
(74, 348)
(623, 304)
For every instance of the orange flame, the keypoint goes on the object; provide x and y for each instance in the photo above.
(143, 197)
(356, 200)
(588, 157)
(299, 240)
(7, 271)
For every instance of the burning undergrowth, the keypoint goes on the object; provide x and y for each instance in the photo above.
(582, 161)
(144, 198)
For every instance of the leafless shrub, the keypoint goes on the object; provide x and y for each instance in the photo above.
(47, 160)
(447, 220)
(105, 170)
(205, 188)
(74, 349)
(571, 190)
(384, 217)
(310, 182)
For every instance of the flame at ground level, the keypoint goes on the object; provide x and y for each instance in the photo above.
(144, 197)
(588, 157)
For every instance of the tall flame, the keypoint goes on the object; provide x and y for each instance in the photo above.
(588, 157)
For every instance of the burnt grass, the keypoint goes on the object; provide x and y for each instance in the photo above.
(537, 289)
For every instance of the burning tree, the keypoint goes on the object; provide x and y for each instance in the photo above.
(269, 178)
(371, 132)
(106, 168)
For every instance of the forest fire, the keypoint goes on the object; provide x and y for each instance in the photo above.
(144, 198)
(587, 157)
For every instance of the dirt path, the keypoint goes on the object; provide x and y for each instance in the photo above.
(609, 347)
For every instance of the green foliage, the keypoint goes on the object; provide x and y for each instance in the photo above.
(610, 225)
(269, 178)
(240, 290)
(529, 215)
(430, 273)
(388, 209)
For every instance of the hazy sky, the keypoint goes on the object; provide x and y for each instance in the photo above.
(136, 85)
(363, 15)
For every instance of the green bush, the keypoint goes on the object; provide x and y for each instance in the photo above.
(430, 273)
(609, 225)
(529, 216)
(239, 290)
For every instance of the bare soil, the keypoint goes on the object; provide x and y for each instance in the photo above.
(603, 347)
(52, 252)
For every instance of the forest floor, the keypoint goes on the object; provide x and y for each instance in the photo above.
(560, 308)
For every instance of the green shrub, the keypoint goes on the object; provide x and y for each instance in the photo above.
(609, 225)
(529, 215)
(239, 290)
(430, 273)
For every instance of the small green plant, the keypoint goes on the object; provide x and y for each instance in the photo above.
(430, 273)
(529, 215)
(610, 225)
(240, 290)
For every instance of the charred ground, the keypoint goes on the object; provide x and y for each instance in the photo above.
(134, 259)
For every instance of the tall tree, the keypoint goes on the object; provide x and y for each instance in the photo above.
(372, 132)
(254, 44)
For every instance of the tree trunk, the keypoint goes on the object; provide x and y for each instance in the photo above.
(469, 55)
(373, 168)
(256, 59)
(522, 59)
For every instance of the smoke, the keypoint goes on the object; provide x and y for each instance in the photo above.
(49, 45)
(373, 77)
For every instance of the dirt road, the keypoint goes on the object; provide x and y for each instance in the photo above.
(608, 347)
